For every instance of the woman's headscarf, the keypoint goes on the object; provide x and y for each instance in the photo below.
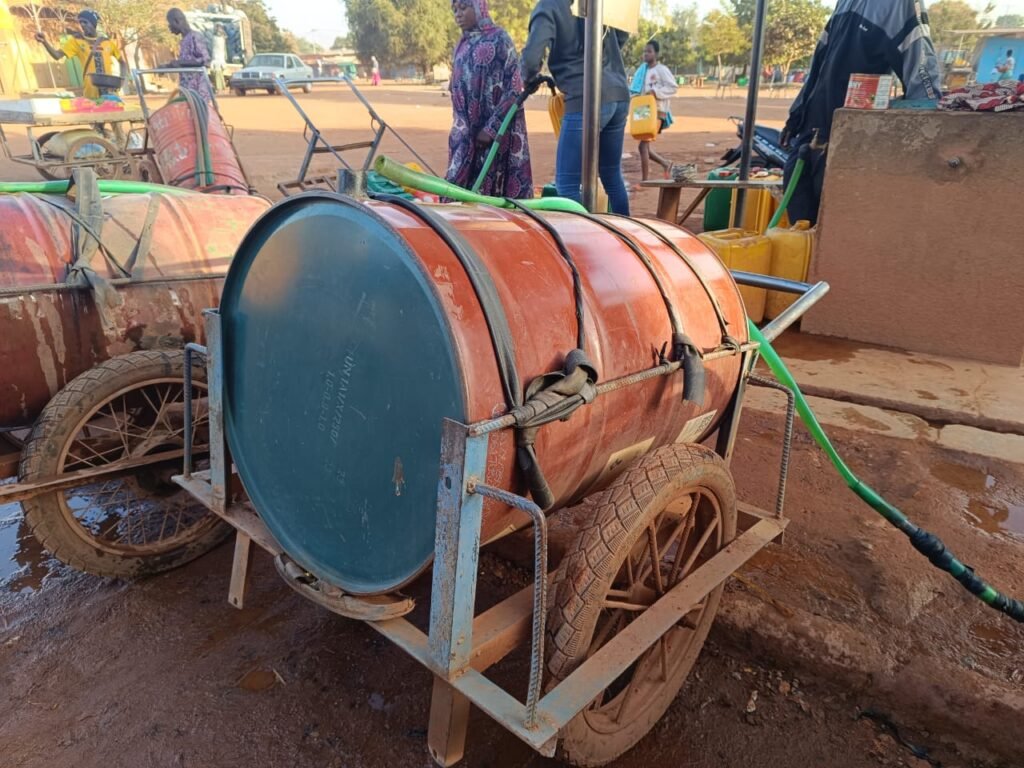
(483, 12)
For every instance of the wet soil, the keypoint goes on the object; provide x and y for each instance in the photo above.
(165, 673)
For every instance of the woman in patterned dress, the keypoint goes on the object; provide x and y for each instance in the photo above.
(484, 85)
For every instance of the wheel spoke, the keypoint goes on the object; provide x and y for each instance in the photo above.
(698, 548)
(652, 537)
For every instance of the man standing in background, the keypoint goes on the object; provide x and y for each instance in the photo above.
(95, 52)
(870, 37)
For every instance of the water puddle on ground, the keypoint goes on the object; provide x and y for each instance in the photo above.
(23, 563)
(816, 348)
(996, 641)
(258, 680)
(991, 506)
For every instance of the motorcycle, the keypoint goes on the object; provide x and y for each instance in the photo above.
(768, 150)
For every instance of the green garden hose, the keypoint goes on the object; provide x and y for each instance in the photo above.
(106, 187)
(493, 151)
(528, 91)
(798, 170)
(407, 177)
(926, 543)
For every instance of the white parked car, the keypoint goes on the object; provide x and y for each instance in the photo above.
(264, 70)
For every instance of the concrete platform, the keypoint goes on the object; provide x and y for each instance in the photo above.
(941, 391)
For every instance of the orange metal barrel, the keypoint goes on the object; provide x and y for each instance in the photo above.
(51, 332)
(351, 331)
(174, 133)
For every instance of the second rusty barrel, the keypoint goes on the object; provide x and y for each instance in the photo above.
(192, 147)
(353, 330)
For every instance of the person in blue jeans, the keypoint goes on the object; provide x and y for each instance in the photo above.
(555, 31)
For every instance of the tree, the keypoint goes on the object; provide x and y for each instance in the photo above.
(341, 43)
(514, 17)
(792, 30)
(721, 37)
(427, 32)
(744, 11)
(1010, 21)
(266, 35)
(135, 22)
(420, 32)
(675, 33)
(945, 16)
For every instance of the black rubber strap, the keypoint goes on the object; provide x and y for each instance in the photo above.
(683, 347)
(723, 323)
(483, 286)
(673, 316)
(577, 284)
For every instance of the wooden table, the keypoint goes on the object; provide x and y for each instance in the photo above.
(669, 193)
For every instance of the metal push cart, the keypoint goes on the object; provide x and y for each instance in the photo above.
(669, 620)
(80, 144)
(317, 144)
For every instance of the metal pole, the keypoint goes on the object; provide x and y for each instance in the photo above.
(751, 115)
(593, 45)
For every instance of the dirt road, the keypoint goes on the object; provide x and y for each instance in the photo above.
(268, 132)
(165, 673)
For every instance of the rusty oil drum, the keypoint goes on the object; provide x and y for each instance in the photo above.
(51, 332)
(351, 331)
(172, 130)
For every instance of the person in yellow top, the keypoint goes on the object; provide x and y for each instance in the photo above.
(95, 52)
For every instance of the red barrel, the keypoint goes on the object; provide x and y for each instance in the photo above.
(352, 331)
(51, 332)
(175, 135)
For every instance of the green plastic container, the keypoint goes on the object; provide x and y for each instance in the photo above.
(718, 203)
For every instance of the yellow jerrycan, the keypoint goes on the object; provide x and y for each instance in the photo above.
(791, 258)
(747, 251)
(643, 117)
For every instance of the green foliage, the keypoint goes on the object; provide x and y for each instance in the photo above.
(945, 16)
(341, 43)
(420, 32)
(514, 17)
(743, 11)
(721, 38)
(792, 30)
(1010, 21)
(132, 21)
(675, 33)
(267, 37)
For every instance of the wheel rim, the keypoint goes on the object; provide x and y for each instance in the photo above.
(144, 513)
(686, 534)
(100, 154)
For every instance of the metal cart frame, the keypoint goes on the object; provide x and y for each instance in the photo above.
(316, 144)
(47, 166)
(460, 645)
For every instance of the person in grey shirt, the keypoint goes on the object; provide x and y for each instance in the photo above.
(556, 32)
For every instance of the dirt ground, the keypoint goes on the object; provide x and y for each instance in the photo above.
(268, 132)
(165, 673)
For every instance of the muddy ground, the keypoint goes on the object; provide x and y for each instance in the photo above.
(165, 673)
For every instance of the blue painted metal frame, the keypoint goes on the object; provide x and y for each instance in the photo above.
(456, 549)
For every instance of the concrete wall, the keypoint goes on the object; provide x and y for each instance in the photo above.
(922, 253)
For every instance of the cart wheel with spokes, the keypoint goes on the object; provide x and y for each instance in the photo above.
(653, 526)
(124, 409)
